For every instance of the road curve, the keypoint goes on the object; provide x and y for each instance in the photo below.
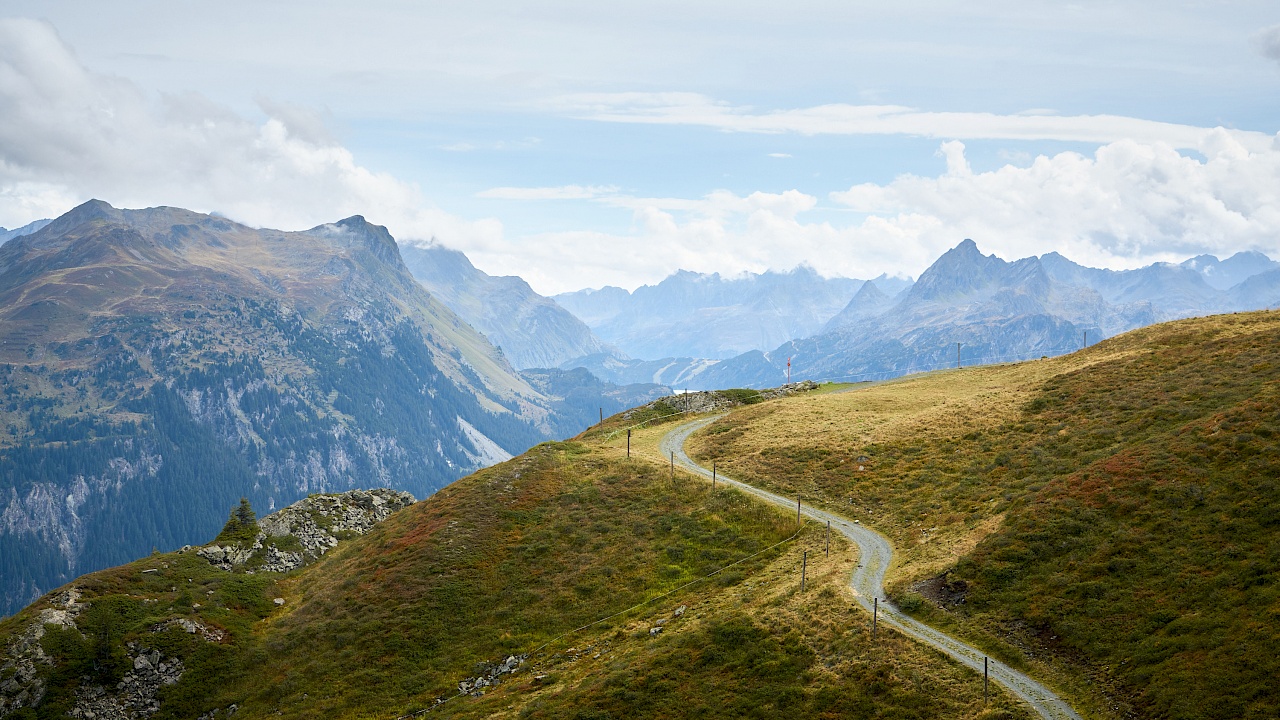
(874, 554)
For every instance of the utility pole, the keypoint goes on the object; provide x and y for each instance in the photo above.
(1086, 338)
(984, 680)
(713, 476)
(797, 510)
(828, 538)
(803, 568)
(673, 467)
(601, 416)
(628, 442)
(957, 354)
(875, 615)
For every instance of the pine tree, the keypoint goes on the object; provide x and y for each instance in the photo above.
(242, 525)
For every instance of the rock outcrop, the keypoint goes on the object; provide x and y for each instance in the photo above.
(292, 537)
(20, 682)
(135, 696)
(284, 540)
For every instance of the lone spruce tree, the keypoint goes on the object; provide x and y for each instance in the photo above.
(241, 527)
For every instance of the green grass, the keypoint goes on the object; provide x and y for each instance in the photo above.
(1115, 514)
(521, 554)
(512, 560)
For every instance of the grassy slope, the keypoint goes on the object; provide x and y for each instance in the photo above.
(512, 557)
(1113, 513)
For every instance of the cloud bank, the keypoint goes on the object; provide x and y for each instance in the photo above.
(68, 134)
(1129, 204)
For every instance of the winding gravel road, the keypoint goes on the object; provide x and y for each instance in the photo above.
(874, 554)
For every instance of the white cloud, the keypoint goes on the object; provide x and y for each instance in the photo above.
(722, 232)
(1130, 203)
(779, 155)
(1127, 205)
(1268, 42)
(678, 108)
(68, 134)
(564, 192)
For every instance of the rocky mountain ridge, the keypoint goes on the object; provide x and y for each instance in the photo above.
(968, 308)
(159, 359)
(7, 235)
(708, 316)
(294, 536)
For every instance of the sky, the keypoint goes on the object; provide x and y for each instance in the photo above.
(584, 144)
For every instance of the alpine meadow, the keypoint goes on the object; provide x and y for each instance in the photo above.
(582, 361)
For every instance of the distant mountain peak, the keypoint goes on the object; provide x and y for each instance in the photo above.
(869, 291)
(83, 213)
(868, 301)
(960, 270)
(376, 238)
(1224, 274)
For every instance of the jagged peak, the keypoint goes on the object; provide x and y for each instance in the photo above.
(376, 237)
(869, 290)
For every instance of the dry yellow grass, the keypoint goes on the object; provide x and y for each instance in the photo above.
(934, 480)
(921, 410)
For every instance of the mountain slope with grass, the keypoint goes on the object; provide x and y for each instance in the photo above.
(1107, 518)
(572, 581)
(158, 364)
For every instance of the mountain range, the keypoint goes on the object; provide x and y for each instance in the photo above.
(158, 364)
(993, 309)
(708, 316)
(531, 330)
(6, 235)
(161, 358)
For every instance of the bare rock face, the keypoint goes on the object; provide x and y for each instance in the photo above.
(292, 537)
